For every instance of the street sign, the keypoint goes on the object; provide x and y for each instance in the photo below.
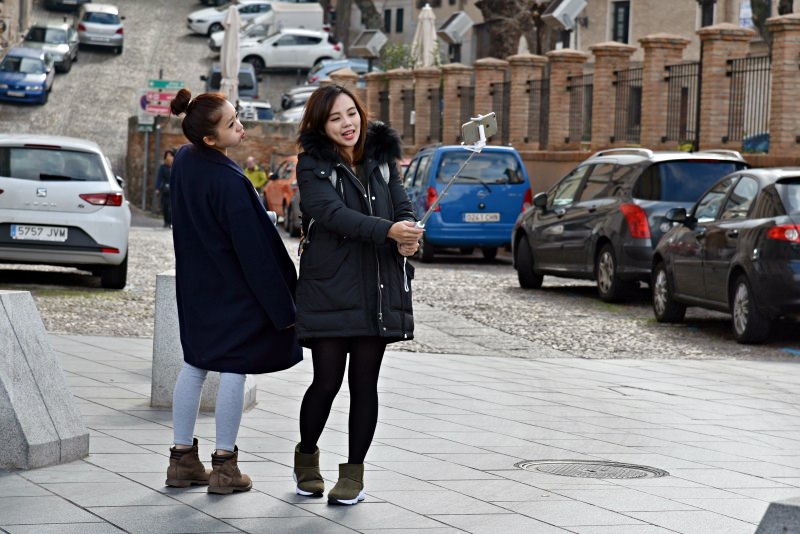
(157, 109)
(160, 96)
(173, 85)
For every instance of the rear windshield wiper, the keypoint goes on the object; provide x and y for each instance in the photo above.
(484, 184)
(44, 177)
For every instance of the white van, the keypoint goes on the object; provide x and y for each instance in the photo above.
(282, 15)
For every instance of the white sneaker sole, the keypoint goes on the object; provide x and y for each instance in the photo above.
(357, 500)
(302, 492)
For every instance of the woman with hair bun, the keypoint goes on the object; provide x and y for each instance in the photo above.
(234, 284)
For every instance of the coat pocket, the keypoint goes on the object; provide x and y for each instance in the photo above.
(322, 259)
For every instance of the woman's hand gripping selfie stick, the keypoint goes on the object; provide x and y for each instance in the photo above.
(474, 149)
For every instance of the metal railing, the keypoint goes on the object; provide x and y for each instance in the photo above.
(383, 104)
(538, 111)
(435, 101)
(501, 105)
(580, 90)
(407, 133)
(683, 104)
(628, 105)
(466, 96)
(748, 114)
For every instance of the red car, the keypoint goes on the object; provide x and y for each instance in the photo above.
(282, 186)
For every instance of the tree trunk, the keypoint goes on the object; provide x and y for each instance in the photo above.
(510, 19)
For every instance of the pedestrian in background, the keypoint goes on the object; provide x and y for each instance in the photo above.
(354, 289)
(256, 174)
(234, 288)
(162, 186)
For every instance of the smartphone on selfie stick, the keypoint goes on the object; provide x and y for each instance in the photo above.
(473, 135)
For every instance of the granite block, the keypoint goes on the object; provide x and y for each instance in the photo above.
(782, 517)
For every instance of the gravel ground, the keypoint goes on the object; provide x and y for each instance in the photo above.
(564, 314)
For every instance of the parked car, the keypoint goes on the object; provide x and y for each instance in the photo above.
(255, 110)
(293, 219)
(62, 205)
(736, 251)
(603, 220)
(65, 5)
(481, 206)
(297, 96)
(294, 114)
(101, 25)
(209, 20)
(248, 80)
(281, 187)
(290, 48)
(26, 75)
(59, 40)
(322, 70)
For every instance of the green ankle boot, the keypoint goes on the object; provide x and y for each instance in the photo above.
(306, 474)
(349, 489)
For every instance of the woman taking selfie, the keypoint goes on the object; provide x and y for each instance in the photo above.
(354, 288)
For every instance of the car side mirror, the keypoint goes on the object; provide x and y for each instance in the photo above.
(203, 78)
(120, 181)
(677, 215)
(540, 200)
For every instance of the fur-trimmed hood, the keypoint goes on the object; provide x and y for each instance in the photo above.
(383, 144)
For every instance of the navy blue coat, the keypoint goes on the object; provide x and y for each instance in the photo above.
(353, 281)
(234, 279)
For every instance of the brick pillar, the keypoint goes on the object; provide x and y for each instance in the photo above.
(426, 86)
(455, 75)
(349, 79)
(660, 50)
(563, 64)
(399, 80)
(376, 82)
(524, 67)
(720, 43)
(490, 71)
(784, 115)
(608, 58)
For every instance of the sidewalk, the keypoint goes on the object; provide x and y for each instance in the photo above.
(452, 427)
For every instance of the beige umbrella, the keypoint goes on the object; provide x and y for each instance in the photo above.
(229, 55)
(522, 47)
(425, 46)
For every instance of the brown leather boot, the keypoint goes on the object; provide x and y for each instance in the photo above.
(185, 468)
(225, 475)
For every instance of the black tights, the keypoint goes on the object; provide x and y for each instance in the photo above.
(330, 357)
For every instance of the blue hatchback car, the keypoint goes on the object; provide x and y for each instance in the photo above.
(26, 75)
(480, 208)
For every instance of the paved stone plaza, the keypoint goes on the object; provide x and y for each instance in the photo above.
(452, 427)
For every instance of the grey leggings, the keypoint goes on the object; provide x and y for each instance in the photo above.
(186, 404)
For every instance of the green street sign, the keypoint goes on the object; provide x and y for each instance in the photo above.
(165, 84)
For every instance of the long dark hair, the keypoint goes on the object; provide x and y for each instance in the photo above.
(203, 113)
(318, 109)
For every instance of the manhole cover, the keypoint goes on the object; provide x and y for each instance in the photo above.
(591, 469)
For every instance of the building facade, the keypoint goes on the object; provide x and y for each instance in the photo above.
(15, 17)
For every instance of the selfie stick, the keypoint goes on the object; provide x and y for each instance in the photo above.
(474, 149)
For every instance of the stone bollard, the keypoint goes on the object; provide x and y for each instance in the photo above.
(168, 354)
(39, 421)
(782, 517)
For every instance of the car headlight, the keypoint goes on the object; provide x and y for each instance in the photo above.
(34, 87)
(3, 86)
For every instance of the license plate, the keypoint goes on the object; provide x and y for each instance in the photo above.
(481, 217)
(38, 233)
(16, 94)
(101, 39)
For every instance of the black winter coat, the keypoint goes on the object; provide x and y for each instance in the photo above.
(234, 279)
(353, 281)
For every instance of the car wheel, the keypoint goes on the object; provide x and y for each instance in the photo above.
(610, 287)
(425, 251)
(524, 262)
(45, 96)
(489, 253)
(118, 50)
(320, 60)
(749, 324)
(666, 309)
(67, 65)
(216, 27)
(256, 62)
(116, 276)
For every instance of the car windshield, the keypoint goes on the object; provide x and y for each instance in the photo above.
(101, 18)
(789, 190)
(46, 164)
(46, 35)
(24, 65)
(682, 181)
(486, 167)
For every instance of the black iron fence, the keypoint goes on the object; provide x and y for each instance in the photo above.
(435, 101)
(466, 95)
(538, 111)
(407, 132)
(501, 105)
(628, 106)
(580, 90)
(383, 103)
(683, 104)
(748, 114)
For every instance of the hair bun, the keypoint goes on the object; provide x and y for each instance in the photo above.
(180, 103)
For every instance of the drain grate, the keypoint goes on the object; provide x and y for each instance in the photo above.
(591, 469)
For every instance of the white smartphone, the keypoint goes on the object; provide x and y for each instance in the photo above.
(470, 133)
